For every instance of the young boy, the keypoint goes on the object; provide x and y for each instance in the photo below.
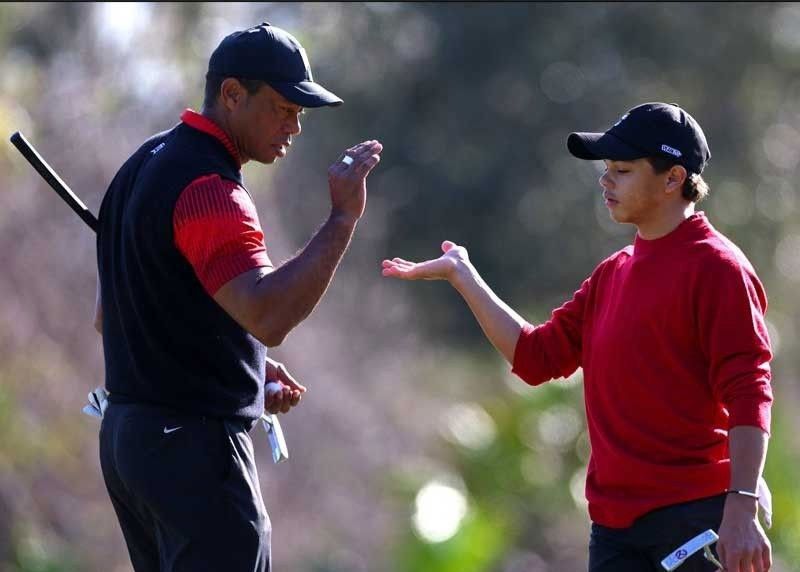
(671, 336)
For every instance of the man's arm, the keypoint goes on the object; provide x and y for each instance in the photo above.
(501, 324)
(742, 543)
(269, 304)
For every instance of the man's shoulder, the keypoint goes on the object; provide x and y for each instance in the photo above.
(156, 142)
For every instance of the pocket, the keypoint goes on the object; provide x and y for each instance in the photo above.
(172, 455)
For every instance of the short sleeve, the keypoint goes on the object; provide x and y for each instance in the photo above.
(216, 228)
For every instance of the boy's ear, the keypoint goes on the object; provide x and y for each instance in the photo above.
(676, 176)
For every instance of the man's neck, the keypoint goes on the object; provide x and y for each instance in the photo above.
(665, 224)
(221, 121)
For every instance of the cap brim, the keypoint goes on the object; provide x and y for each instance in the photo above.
(602, 146)
(307, 94)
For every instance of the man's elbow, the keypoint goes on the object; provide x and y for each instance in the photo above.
(271, 332)
(273, 336)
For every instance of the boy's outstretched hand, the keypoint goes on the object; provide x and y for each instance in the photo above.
(442, 268)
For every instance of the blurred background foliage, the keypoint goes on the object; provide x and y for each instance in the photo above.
(415, 448)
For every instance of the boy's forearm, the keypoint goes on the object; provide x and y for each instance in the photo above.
(748, 451)
(500, 323)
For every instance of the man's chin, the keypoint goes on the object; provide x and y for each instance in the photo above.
(269, 160)
(273, 155)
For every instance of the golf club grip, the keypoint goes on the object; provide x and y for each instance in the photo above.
(55, 182)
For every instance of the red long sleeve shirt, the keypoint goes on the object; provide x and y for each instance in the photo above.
(674, 348)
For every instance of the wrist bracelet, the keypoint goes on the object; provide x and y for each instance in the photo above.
(743, 493)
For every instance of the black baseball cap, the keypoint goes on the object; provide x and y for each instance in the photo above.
(647, 130)
(274, 56)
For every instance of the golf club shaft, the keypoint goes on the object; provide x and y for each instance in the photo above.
(55, 182)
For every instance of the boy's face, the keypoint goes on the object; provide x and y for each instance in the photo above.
(634, 193)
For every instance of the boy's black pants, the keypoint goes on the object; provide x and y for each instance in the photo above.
(642, 546)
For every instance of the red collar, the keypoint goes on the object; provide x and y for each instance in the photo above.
(204, 124)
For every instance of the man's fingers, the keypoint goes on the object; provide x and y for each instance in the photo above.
(359, 146)
(286, 401)
(364, 158)
(366, 155)
(273, 406)
(362, 168)
(361, 152)
(370, 148)
(287, 378)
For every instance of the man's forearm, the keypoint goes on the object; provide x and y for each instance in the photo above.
(501, 324)
(292, 291)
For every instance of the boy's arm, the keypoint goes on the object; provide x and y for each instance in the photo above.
(499, 322)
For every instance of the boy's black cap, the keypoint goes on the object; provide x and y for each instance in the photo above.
(274, 56)
(647, 130)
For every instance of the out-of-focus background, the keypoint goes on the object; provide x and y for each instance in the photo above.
(415, 448)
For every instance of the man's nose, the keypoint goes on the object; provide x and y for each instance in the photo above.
(293, 126)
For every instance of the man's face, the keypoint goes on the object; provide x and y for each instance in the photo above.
(263, 124)
(633, 191)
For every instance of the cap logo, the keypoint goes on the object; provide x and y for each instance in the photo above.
(671, 150)
(621, 119)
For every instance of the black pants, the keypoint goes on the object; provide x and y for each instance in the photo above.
(185, 490)
(642, 546)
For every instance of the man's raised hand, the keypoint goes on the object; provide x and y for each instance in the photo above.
(347, 179)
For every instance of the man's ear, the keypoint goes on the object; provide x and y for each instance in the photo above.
(231, 93)
(675, 178)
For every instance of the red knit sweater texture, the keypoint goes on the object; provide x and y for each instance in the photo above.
(673, 343)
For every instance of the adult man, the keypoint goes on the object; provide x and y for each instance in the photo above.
(671, 337)
(188, 299)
